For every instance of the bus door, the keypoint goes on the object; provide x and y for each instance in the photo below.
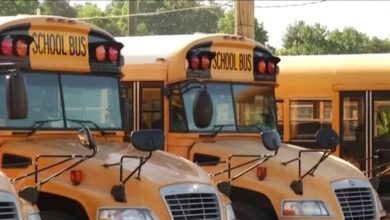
(365, 128)
(146, 99)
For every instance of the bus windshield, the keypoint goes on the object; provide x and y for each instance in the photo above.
(66, 96)
(236, 108)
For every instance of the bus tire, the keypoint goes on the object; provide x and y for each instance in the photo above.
(244, 211)
(56, 215)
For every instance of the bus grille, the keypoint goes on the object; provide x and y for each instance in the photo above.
(8, 211)
(357, 203)
(193, 206)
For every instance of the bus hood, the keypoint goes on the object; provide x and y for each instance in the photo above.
(324, 172)
(160, 170)
(5, 185)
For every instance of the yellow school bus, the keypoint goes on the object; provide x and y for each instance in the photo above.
(213, 95)
(64, 147)
(349, 93)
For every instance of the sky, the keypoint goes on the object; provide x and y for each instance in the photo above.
(365, 16)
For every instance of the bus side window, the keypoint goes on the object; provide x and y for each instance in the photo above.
(151, 112)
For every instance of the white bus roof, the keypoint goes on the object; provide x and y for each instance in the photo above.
(147, 49)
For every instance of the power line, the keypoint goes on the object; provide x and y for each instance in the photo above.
(149, 13)
(291, 5)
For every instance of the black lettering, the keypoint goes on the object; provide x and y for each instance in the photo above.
(63, 52)
(83, 46)
(71, 46)
(249, 62)
(52, 44)
(34, 45)
(58, 44)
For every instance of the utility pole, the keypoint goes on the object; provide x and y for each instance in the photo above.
(244, 18)
(132, 18)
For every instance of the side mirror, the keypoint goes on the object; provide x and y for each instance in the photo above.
(327, 138)
(16, 96)
(271, 140)
(86, 139)
(148, 140)
(126, 118)
(202, 109)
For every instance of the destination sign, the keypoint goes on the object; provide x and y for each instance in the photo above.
(53, 48)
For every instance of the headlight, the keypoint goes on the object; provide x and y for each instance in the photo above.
(304, 208)
(229, 212)
(382, 211)
(34, 216)
(125, 214)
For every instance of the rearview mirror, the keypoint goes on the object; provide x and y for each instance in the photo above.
(271, 140)
(327, 138)
(86, 139)
(16, 96)
(147, 140)
(202, 109)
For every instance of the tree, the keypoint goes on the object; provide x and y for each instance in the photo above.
(301, 38)
(92, 10)
(177, 21)
(18, 7)
(348, 41)
(376, 45)
(227, 25)
(58, 7)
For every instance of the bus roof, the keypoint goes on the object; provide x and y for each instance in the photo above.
(335, 64)
(321, 74)
(147, 49)
(23, 19)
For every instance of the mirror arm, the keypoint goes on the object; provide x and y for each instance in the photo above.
(118, 191)
(262, 157)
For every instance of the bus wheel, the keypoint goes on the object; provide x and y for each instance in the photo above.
(244, 211)
(56, 215)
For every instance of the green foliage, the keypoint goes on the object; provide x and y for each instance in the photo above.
(92, 10)
(303, 39)
(348, 41)
(227, 22)
(16, 7)
(58, 7)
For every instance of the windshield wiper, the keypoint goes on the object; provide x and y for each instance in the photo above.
(216, 130)
(38, 124)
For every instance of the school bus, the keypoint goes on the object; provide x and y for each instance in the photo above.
(213, 95)
(65, 148)
(349, 93)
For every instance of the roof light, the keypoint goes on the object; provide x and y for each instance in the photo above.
(100, 53)
(6, 46)
(21, 48)
(113, 54)
(194, 63)
(271, 67)
(261, 67)
(205, 62)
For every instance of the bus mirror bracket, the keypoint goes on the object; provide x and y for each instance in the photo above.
(144, 140)
(31, 193)
(326, 138)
